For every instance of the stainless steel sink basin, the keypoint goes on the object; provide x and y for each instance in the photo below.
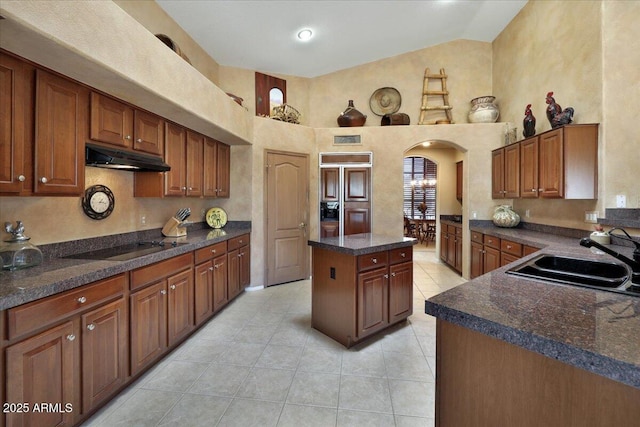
(581, 272)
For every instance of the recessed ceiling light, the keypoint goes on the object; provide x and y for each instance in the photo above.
(426, 144)
(305, 34)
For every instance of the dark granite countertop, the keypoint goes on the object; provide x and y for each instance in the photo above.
(361, 244)
(58, 274)
(595, 330)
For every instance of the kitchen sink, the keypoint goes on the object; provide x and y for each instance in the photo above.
(580, 272)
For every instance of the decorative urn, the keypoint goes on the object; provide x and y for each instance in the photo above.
(483, 110)
(505, 217)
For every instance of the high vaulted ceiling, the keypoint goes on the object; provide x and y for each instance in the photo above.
(261, 34)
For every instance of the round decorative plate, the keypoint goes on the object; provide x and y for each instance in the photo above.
(216, 217)
(98, 202)
(386, 100)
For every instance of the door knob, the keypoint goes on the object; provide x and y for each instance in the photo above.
(302, 225)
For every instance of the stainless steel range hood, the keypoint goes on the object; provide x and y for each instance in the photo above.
(113, 158)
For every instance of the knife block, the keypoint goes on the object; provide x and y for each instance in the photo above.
(174, 228)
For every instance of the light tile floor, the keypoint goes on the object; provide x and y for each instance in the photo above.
(259, 363)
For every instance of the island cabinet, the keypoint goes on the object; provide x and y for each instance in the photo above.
(16, 125)
(484, 381)
(69, 349)
(161, 305)
(355, 296)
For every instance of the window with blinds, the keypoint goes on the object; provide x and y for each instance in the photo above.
(419, 187)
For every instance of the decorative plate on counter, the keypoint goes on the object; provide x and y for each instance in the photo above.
(216, 217)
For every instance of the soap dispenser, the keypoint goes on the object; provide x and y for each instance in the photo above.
(17, 252)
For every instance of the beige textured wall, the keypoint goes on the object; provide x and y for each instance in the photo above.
(587, 53)
(155, 19)
(467, 64)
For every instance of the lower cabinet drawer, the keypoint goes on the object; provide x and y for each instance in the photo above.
(154, 272)
(31, 316)
(510, 247)
(210, 252)
(236, 242)
(476, 237)
(400, 255)
(374, 260)
(492, 242)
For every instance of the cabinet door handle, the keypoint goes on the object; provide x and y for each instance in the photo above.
(533, 190)
(139, 140)
(386, 276)
(216, 265)
(173, 287)
(184, 188)
(163, 292)
(44, 180)
(71, 337)
(82, 300)
(127, 137)
(211, 268)
(91, 326)
(393, 274)
(21, 178)
(541, 189)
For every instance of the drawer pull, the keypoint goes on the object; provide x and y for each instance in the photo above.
(241, 242)
(173, 287)
(71, 337)
(213, 251)
(403, 255)
(374, 260)
(509, 246)
(91, 326)
(82, 300)
(163, 292)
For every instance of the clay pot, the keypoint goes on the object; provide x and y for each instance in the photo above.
(483, 110)
(351, 117)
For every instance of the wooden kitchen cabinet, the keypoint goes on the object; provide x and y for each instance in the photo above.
(216, 169)
(111, 121)
(16, 125)
(176, 156)
(194, 164)
(45, 369)
(104, 353)
(238, 258)
(356, 184)
(161, 308)
(356, 296)
(148, 325)
(149, 133)
(357, 219)
(62, 128)
(68, 348)
(451, 245)
(505, 166)
(561, 163)
(220, 282)
(329, 228)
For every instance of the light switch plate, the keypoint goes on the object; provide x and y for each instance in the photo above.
(591, 217)
(621, 201)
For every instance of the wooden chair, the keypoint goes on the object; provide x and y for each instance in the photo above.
(410, 229)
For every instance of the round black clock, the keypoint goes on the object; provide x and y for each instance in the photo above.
(98, 202)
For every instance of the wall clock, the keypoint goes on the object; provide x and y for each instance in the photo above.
(98, 202)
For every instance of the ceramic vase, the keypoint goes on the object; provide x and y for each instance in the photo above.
(483, 110)
(504, 216)
(351, 117)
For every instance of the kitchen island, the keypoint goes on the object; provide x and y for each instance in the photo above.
(361, 285)
(516, 351)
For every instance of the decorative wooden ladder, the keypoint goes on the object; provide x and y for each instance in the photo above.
(444, 93)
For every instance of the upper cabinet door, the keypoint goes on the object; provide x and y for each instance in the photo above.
(529, 168)
(195, 145)
(16, 124)
(210, 166)
(149, 135)
(356, 184)
(176, 156)
(111, 121)
(497, 174)
(551, 170)
(512, 171)
(224, 170)
(62, 124)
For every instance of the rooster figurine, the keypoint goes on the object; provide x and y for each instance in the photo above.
(556, 115)
(529, 122)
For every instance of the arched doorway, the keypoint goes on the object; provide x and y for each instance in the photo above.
(419, 198)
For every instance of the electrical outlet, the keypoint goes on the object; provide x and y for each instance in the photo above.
(474, 215)
(202, 212)
(527, 213)
(591, 217)
(143, 220)
(621, 201)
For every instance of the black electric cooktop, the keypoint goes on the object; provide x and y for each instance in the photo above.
(127, 252)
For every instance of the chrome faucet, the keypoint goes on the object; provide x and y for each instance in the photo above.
(633, 263)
